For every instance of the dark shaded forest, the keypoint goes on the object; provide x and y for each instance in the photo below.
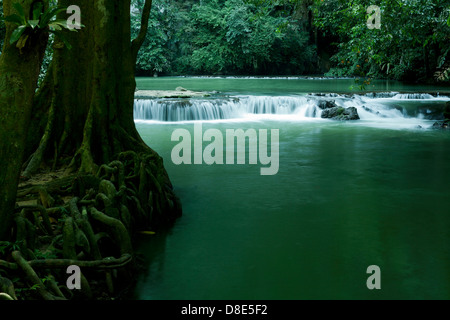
(293, 37)
(287, 37)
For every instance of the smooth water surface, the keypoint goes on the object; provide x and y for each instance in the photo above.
(277, 86)
(347, 195)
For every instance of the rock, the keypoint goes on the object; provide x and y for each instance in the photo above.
(329, 95)
(374, 112)
(181, 89)
(447, 112)
(340, 113)
(326, 104)
(441, 125)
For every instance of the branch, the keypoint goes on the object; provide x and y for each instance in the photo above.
(137, 43)
(33, 277)
(105, 263)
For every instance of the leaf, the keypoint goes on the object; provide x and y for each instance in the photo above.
(62, 23)
(35, 286)
(22, 41)
(49, 14)
(17, 33)
(75, 26)
(55, 27)
(20, 11)
(33, 23)
(37, 11)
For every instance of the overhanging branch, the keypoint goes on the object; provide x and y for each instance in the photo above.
(137, 43)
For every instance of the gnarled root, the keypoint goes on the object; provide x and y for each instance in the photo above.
(92, 227)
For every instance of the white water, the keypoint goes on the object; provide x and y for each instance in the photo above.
(376, 108)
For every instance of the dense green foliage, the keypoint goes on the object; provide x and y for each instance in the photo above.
(282, 37)
(413, 42)
(225, 37)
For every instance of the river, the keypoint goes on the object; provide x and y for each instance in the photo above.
(346, 195)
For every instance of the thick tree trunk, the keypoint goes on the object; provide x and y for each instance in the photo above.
(90, 105)
(19, 71)
(92, 88)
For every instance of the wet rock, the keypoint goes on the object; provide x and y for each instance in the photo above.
(326, 104)
(374, 112)
(441, 125)
(340, 113)
(332, 95)
(444, 125)
(180, 89)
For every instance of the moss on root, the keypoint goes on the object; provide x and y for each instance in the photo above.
(92, 225)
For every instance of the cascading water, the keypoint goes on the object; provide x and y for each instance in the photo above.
(219, 109)
(371, 106)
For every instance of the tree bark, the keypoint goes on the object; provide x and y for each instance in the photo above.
(92, 88)
(19, 71)
(90, 96)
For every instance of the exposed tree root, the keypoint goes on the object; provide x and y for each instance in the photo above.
(85, 220)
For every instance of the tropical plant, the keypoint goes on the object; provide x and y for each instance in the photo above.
(41, 20)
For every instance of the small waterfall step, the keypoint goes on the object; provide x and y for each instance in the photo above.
(369, 106)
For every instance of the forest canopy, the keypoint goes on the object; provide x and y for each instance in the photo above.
(292, 37)
(226, 37)
(296, 37)
(413, 41)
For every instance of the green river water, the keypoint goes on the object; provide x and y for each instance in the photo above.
(347, 195)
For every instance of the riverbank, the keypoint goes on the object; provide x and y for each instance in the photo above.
(89, 221)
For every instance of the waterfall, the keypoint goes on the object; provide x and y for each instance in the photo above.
(183, 110)
(369, 106)
(415, 96)
(218, 109)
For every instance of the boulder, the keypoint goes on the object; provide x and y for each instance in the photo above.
(326, 104)
(340, 113)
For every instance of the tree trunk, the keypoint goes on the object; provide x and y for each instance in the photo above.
(90, 105)
(19, 71)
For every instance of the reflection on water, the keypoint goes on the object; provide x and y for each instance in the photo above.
(275, 86)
